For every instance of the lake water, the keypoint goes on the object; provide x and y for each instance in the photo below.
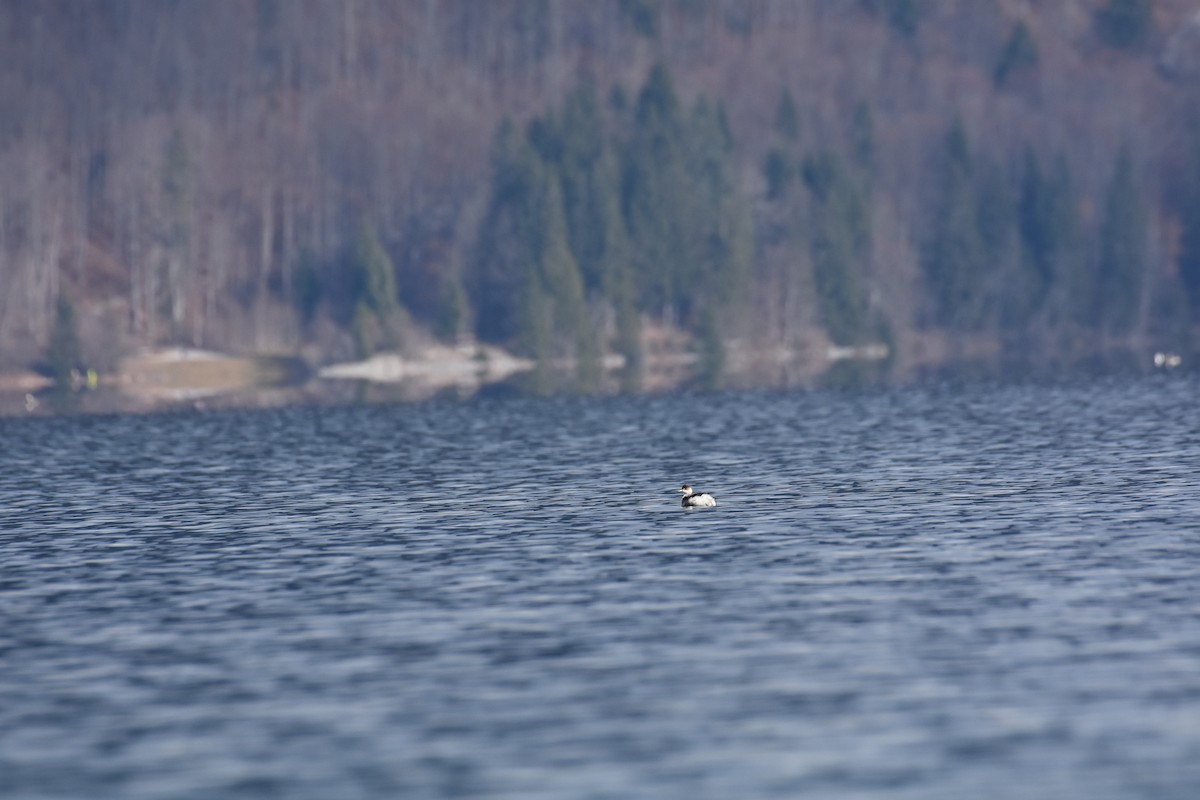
(983, 591)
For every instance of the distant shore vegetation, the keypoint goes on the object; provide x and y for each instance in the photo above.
(596, 184)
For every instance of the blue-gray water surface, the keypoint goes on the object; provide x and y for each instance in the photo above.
(984, 591)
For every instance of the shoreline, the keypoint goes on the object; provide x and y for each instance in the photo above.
(178, 378)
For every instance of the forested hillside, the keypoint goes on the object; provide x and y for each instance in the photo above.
(758, 179)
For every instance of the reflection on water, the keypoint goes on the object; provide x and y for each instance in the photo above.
(182, 379)
(982, 591)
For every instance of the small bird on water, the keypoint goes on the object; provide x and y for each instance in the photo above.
(692, 498)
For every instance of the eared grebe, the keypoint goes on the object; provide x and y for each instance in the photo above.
(692, 498)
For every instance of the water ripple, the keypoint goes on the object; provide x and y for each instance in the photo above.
(922, 593)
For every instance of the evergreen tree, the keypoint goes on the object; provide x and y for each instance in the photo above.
(561, 286)
(642, 15)
(63, 351)
(1020, 52)
(537, 335)
(587, 171)
(174, 235)
(377, 296)
(576, 152)
(308, 289)
(1047, 228)
(779, 171)
(454, 308)
(620, 291)
(787, 120)
(712, 351)
(955, 263)
(1018, 291)
(903, 15)
(1035, 216)
(655, 194)
(718, 221)
(1189, 257)
(528, 282)
(707, 148)
(1125, 24)
(1122, 251)
(862, 138)
(840, 243)
(509, 244)
(1036, 233)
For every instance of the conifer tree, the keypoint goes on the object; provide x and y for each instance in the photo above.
(1122, 257)
(175, 228)
(840, 242)
(559, 282)
(1020, 52)
(655, 192)
(955, 261)
(862, 138)
(1125, 23)
(787, 119)
(1047, 229)
(509, 241)
(377, 296)
(527, 279)
(1189, 257)
(63, 351)
(779, 171)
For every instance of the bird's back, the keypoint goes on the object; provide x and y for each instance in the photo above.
(699, 499)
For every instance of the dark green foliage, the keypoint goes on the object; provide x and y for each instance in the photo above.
(267, 39)
(997, 209)
(526, 278)
(1124, 24)
(307, 286)
(818, 175)
(862, 137)
(62, 355)
(711, 212)
(453, 311)
(779, 171)
(1036, 217)
(583, 221)
(903, 15)
(833, 186)
(558, 285)
(1169, 318)
(574, 145)
(1020, 52)
(377, 314)
(787, 119)
(655, 191)
(1189, 207)
(1019, 289)
(642, 15)
(1038, 235)
(1047, 226)
(712, 351)
(1122, 257)
(840, 245)
(689, 229)
(617, 99)
(955, 262)
(509, 242)
(657, 104)
(378, 274)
